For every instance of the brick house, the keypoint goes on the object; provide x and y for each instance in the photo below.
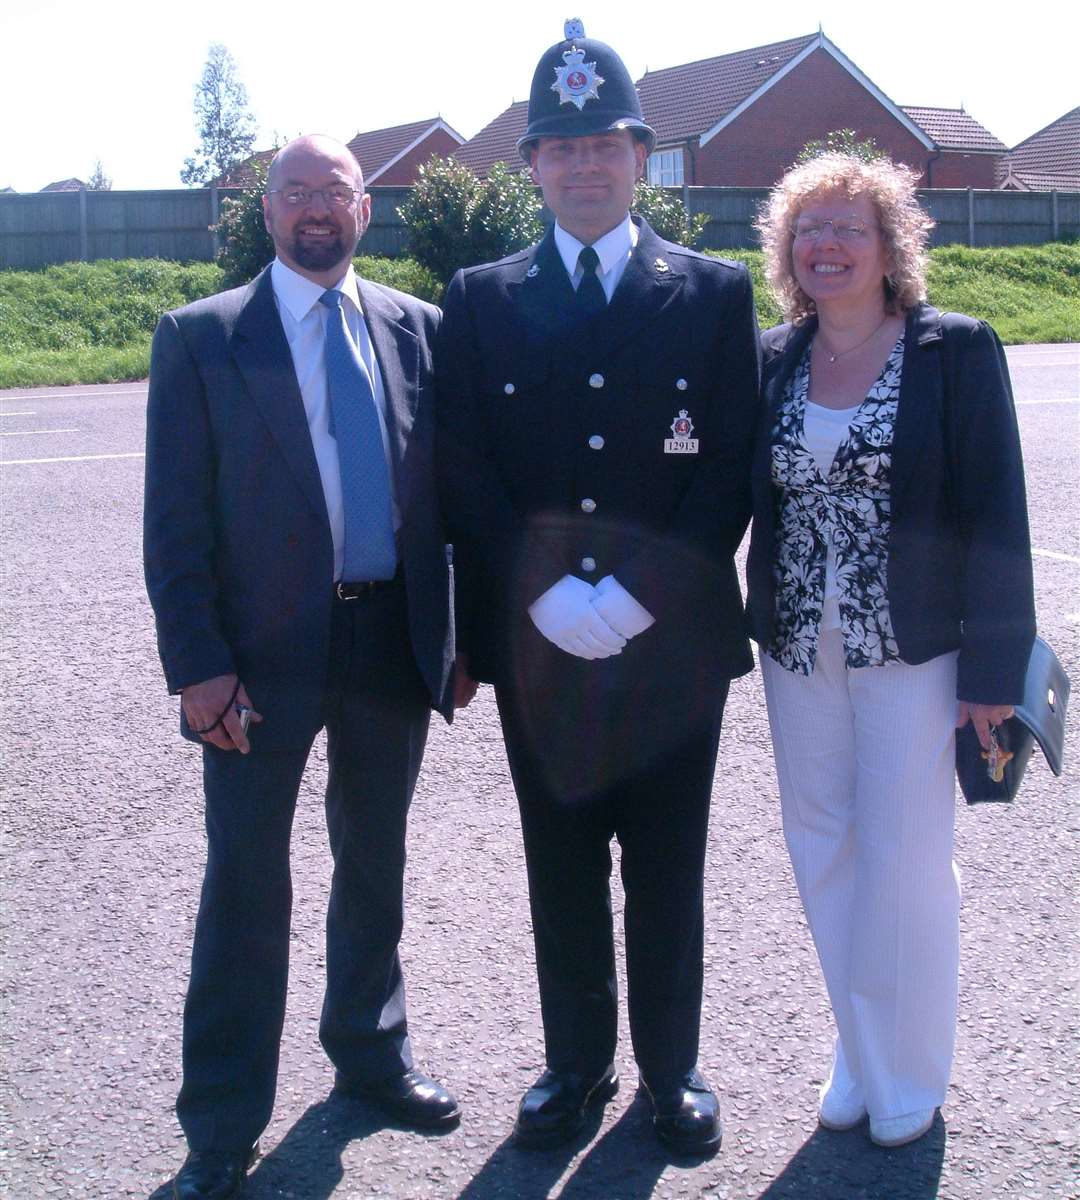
(1047, 161)
(739, 120)
(386, 156)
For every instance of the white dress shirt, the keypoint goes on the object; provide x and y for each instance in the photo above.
(613, 250)
(304, 320)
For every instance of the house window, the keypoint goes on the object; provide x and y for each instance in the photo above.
(666, 168)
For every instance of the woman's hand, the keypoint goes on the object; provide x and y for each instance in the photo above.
(982, 717)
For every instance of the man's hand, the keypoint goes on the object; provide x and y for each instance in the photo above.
(982, 717)
(464, 684)
(565, 616)
(205, 702)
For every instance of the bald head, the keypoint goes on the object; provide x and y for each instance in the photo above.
(312, 146)
(315, 207)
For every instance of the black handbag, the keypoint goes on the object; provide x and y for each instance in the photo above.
(1039, 718)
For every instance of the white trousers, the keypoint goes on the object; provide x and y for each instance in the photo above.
(865, 761)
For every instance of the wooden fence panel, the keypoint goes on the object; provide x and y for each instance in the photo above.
(45, 227)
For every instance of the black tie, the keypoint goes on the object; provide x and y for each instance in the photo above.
(590, 293)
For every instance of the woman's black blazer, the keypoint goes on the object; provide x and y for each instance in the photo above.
(959, 565)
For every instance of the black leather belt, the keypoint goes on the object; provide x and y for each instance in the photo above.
(365, 589)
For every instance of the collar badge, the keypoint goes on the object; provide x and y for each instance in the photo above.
(532, 272)
(577, 81)
(661, 266)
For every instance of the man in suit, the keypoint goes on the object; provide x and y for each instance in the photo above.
(299, 579)
(597, 395)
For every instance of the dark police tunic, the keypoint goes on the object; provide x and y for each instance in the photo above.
(618, 446)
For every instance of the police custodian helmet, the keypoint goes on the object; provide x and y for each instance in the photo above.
(581, 87)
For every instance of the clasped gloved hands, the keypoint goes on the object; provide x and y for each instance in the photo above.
(586, 621)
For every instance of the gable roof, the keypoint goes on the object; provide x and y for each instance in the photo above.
(65, 185)
(243, 174)
(683, 101)
(954, 129)
(378, 150)
(497, 141)
(1050, 158)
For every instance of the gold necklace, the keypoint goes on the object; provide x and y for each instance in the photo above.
(851, 349)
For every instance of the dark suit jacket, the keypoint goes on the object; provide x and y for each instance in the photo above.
(522, 390)
(959, 567)
(238, 552)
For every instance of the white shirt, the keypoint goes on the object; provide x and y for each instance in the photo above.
(304, 320)
(823, 431)
(613, 250)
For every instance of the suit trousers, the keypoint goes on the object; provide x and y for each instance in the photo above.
(597, 751)
(865, 762)
(375, 711)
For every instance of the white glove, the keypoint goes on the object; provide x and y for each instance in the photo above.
(564, 615)
(619, 609)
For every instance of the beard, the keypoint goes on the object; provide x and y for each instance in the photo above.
(319, 254)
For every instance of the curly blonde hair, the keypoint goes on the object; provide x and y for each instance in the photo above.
(905, 228)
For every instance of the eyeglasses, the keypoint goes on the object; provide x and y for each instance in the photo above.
(843, 231)
(338, 196)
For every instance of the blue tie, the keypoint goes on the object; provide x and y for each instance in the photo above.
(365, 479)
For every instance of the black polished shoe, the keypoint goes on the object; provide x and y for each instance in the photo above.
(553, 1110)
(412, 1098)
(213, 1174)
(686, 1116)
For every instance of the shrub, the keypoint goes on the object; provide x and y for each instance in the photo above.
(841, 141)
(405, 274)
(456, 220)
(246, 246)
(667, 214)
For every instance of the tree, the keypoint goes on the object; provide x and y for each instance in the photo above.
(667, 214)
(456, 220)
(246, 245)
(841, 141)
(98, 181)
(226, 127)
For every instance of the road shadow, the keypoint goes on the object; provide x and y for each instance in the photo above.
(625, 1164)
(848, 1166)
(306, 1163)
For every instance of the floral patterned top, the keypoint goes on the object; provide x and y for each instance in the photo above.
(849, 506)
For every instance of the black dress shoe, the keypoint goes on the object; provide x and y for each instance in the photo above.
(213, 1174)
(412, 1098)
(553, 1110)
(686, 1116)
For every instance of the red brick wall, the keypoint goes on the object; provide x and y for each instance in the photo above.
(815, 98)
(403, 172)
(957, 170)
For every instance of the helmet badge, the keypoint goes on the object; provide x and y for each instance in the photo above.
(577, 81)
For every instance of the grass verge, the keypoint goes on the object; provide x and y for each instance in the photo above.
(92, 322)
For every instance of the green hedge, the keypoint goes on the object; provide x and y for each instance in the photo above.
(91, 322)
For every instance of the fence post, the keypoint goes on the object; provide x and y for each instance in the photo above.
(971, 216)
(1054, 214)
(84, 241)
(215, 216)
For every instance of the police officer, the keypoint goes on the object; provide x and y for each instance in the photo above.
(597, 395)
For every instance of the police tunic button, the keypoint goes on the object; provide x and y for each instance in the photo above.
(588, 564)
(596, 381)
(681, 384)
(588, 506)
(508, 388)
(596, 442)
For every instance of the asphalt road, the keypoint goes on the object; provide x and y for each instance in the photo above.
(103, 852)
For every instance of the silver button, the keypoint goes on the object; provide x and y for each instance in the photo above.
(596, 442)
(681, 384)
(588, 564)
(596, 380)
(588, 506)
(508, 389)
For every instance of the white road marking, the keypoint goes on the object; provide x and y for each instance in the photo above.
(18, 414)
(1056, 554)
(24, 462)
(135, 391)
(27, 432)
(1050, 400)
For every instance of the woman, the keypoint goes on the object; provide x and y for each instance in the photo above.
(891, 596)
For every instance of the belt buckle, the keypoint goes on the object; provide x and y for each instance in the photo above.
(339, 588)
